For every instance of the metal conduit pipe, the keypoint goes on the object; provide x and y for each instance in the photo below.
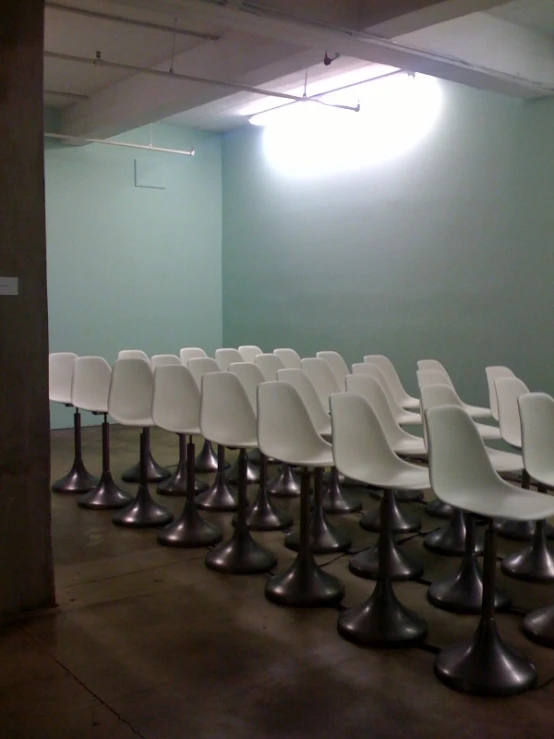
(147, 147)
(131, 21)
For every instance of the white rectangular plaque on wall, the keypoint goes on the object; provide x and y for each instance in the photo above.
(150, 172)
(9, 286)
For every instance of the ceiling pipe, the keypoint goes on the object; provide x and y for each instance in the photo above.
(147, 147)
(131, 21)
(99, 62)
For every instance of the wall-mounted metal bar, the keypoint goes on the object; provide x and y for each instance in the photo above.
(146, 147)
(132, 21)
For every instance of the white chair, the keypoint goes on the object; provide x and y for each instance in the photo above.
(322, 378)
(535, 563)
(389, 370)
(227, 418)
(439, 377)
(324, 537)
(176, 408)
(269, 365)
(262, 515)
(401, 415)
(161, 360)
(285, 431)
(90, 391)
(130, 403)
(462, 475)
(448, 396)
(78, 479)
(219, 496)
(191, 352)
(537, 423)
(225, 357)
(494, 373)
(333, 500)
(154, 471)
(290, 358)
(431, 364)
(249, 353)
(361, 451)
(337, 364)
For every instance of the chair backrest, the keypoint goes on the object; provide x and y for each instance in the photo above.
(289, 357)
(191, 352)
(431, 364)
(493, 374)
(133, 354)
(226, 415)
(508, 392)
(337, 364)
(360, 446)
(433, 396)
(269, 365)
(131, 391)
(225, 357)
(300, 380)
(371, 389)
(393, 378)
(322, 378)
(368, 368)
(176, 400)
(433, 377)
(536, 411)
(160, 360)
(249, 353)
(285, 428)
(200, 366)
(91, 384)
(250, 377)
(60, 370)
(459, 465)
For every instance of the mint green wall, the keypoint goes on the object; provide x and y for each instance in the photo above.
(445, 252)
(133, 267)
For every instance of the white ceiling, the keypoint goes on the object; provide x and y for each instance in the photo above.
(485, 43)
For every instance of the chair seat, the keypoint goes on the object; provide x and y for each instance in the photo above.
(410, 404)
(409, 478)
(175, 430)
(407, 419)
(477, 411)
(142, 423)
(488, 432)
(506, 461)
(504, 501)
(410, 447)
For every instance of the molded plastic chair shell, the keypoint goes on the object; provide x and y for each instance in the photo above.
(133, 354)
(361, 450)
(269, 365)
(91, 384)
(225, 357)
(60, 376)
(435, 395)
(176, 401)
(322, 378)
(493, 374)
(200, 366)
(371, 389)
(191, 352)
(537, 432)
(131, 391)
(285, 429)
(249, 353)
(250, 377)
(226, 415)
(463, 476)
(431, 364)
(393, 378)
(290, 358)
(337, 364)
(508, 392)
(401, 415)
(160, 360)
(440, 377)
(300, 380)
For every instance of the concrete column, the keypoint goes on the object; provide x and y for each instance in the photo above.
(26, 572)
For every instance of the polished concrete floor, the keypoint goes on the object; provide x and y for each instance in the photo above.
(147, 642)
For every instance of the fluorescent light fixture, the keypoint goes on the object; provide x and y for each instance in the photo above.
(309, 139)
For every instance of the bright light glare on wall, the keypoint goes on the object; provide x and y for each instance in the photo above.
(309, 139)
